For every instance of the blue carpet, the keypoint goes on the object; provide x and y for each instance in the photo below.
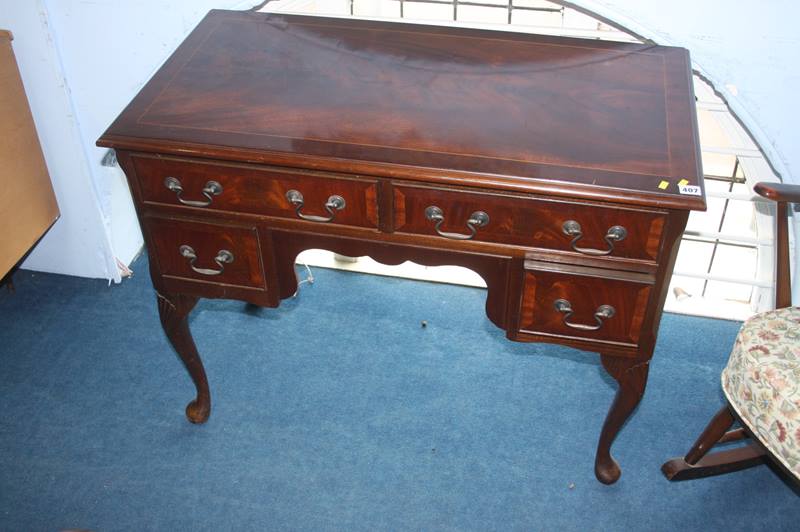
(339, 411)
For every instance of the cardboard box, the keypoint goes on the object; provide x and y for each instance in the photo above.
(27, 204)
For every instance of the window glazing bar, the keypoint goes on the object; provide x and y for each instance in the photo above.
(455, 3)
(723, 279)
(724, 238)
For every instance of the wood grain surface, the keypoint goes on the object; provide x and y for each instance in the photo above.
(606, 116)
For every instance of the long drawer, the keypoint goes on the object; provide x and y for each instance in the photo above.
(605, 307)
(312, 196)
(577, 227)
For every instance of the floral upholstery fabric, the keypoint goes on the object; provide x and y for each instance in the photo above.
(762, 382)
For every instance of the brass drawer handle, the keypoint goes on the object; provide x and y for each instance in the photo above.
(476, 219)
(212, 188)
(334, 203)
(603, 312)
(223, 257)
(614, 234)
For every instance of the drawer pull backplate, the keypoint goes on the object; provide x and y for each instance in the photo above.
(223, 257)
(211, 189)
(334, 203)
(476, 219)
(603, 312)
(614, 234)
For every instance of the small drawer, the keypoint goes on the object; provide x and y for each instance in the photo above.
(577, 227)
(213, 253)
(604, 306)
(312, 196)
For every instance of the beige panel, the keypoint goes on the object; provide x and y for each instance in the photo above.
(27, 204)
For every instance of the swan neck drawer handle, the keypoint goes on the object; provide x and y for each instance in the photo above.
(614, 234)
(602, 313)
(211, 189)
(334, 203)
(476, 219)
(223, 257)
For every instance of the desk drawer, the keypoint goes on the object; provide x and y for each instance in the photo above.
(574, 302)
(213, 253)
(581, 228)
(255, 190)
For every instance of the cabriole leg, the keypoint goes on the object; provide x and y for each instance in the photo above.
(631, 375)
(174, 311)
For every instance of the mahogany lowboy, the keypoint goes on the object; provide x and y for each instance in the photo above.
(550, 166)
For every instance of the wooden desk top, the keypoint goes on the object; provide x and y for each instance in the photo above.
(502, 110)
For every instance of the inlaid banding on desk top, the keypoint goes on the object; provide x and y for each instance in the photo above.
(386, 89)
(488, 102)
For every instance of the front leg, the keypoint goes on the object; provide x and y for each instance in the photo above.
(631, 375)
(174, 312)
